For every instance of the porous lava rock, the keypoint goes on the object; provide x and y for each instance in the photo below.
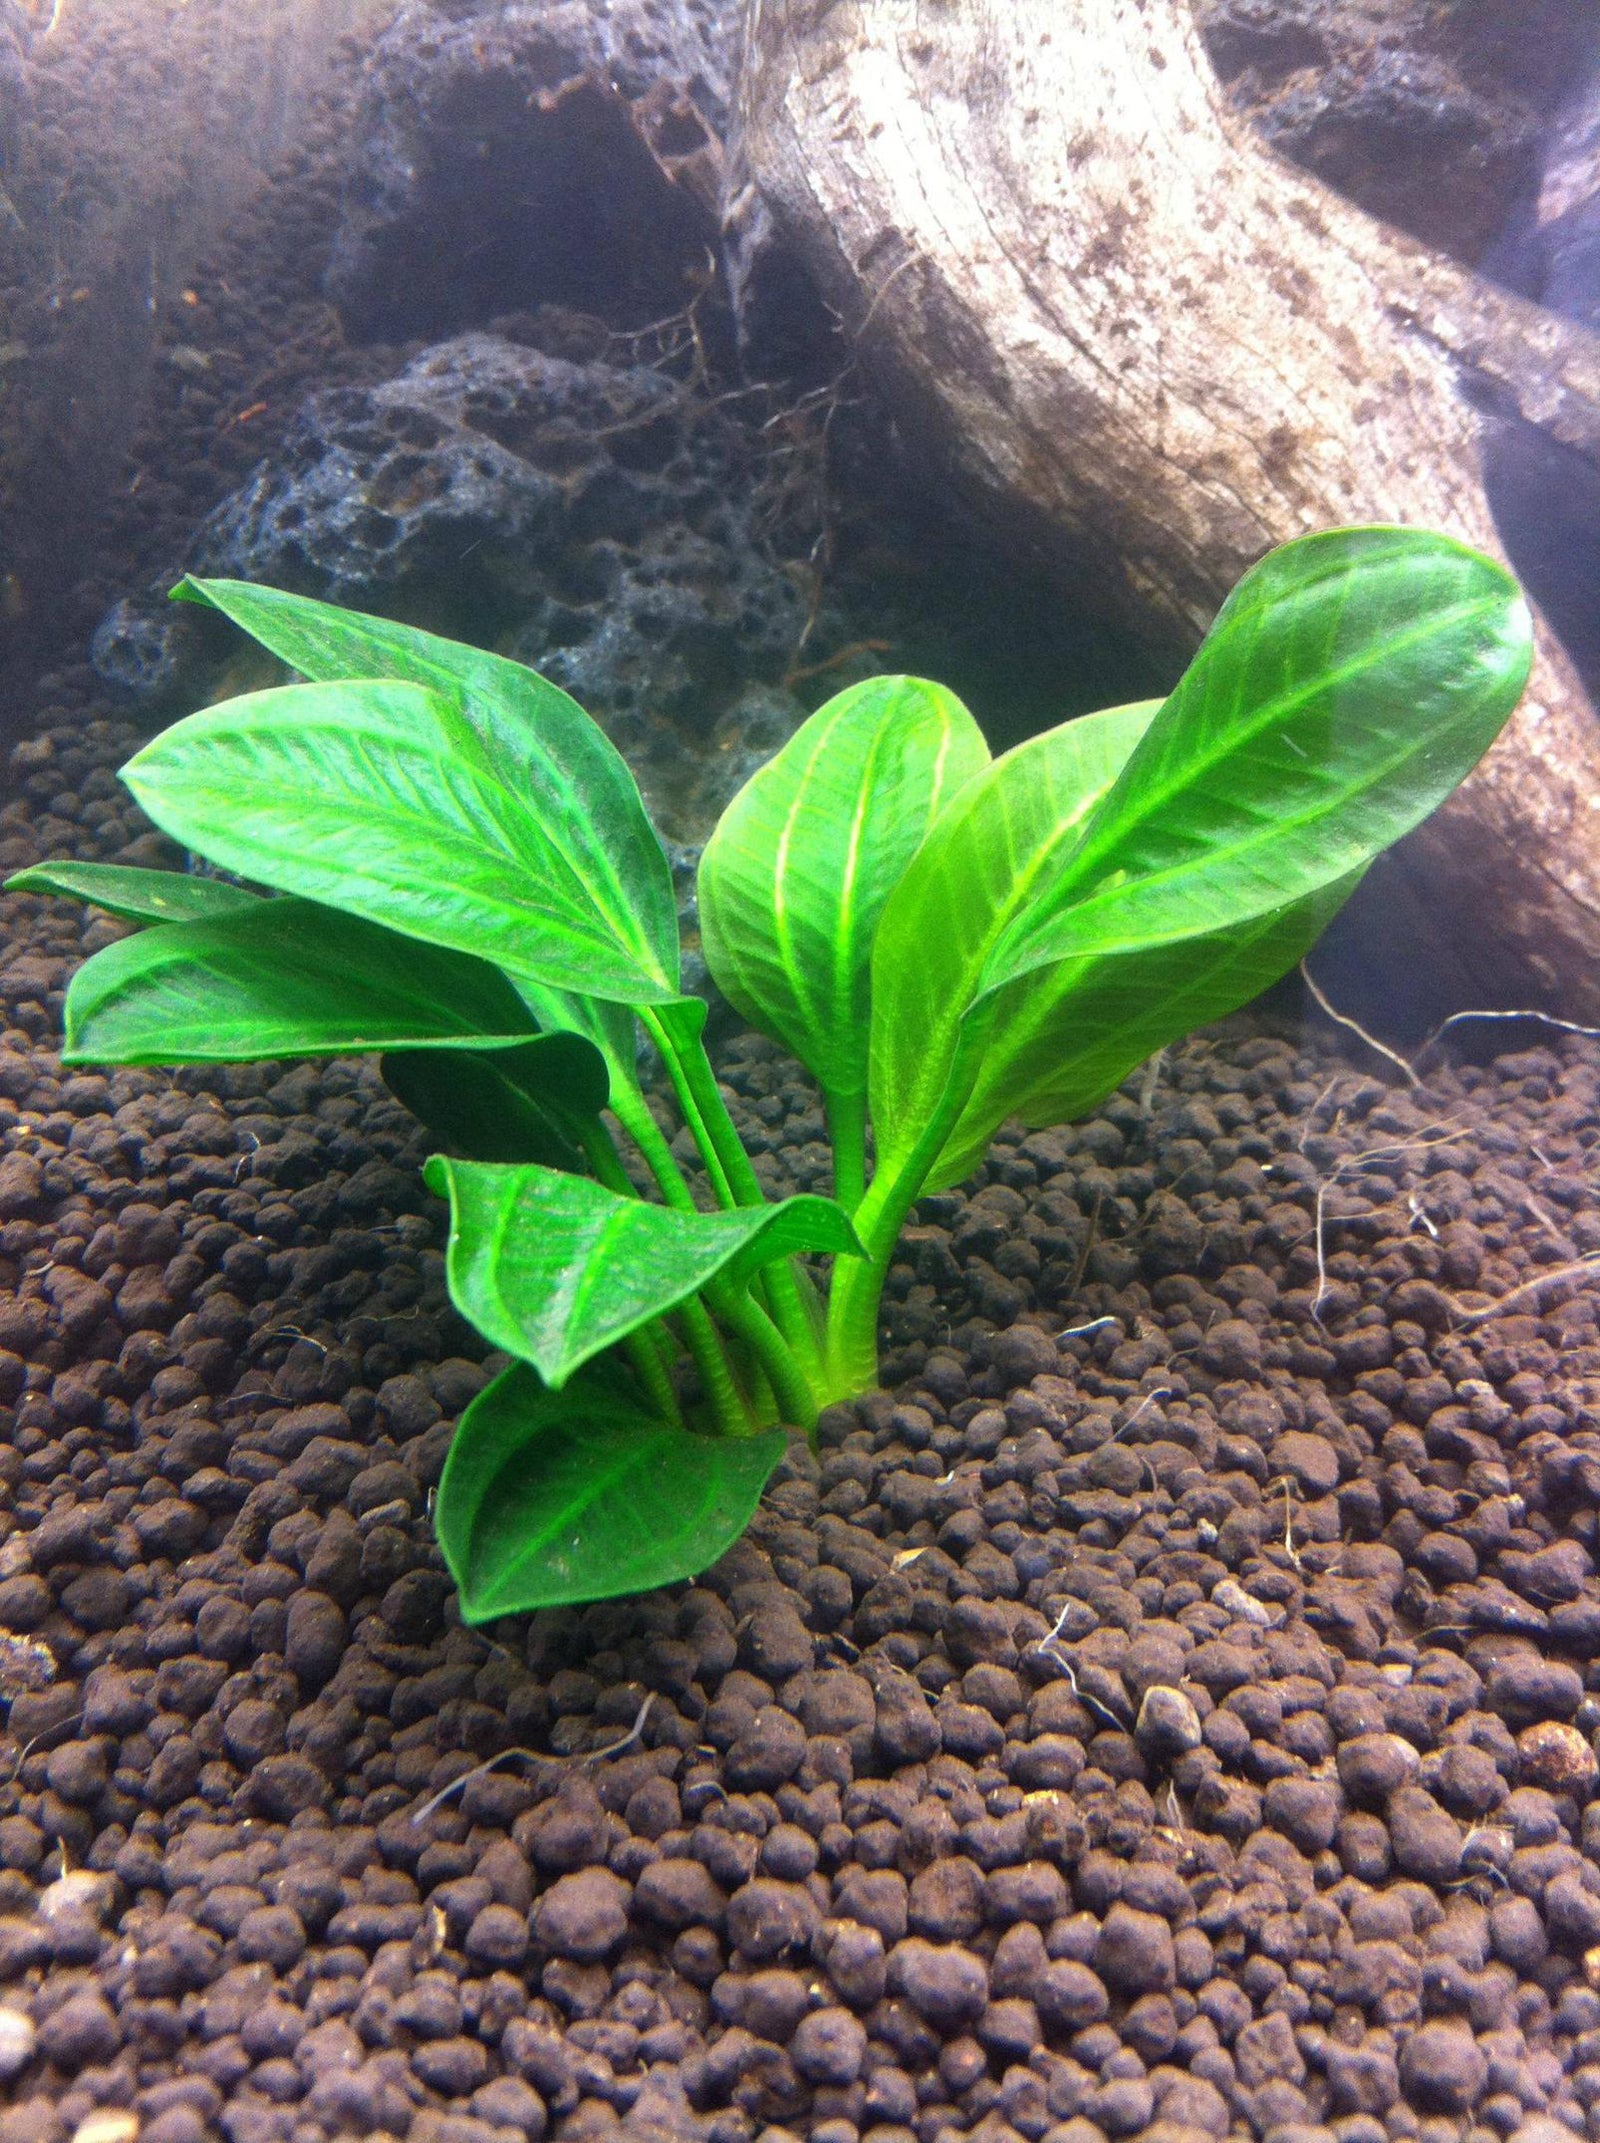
(529, 152)
(597, 521)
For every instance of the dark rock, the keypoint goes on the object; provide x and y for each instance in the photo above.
(609, 526)
(946, 1985)
(1070, 1997)
(945, 1902)
(767, 1752)
(1168, 1725)
(679, 1893)
(82, 2033)
(829, 2047)
(497, 1938)
(1428, 119)
(584, 1915)
(768, 1920)
(596, 127)
(1372, 1766)
(282, 1787)
(1524, 1688)
(1572, 1912)
(1558, 1758)
(855, 1959)
(1134, 1954)
(774, 1643)
(1426, 1841)
(315, 1637)
(1442, 2069)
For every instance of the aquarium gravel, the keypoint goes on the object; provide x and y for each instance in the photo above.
(1166, 1709)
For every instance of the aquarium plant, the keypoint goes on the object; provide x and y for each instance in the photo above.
(464, 880)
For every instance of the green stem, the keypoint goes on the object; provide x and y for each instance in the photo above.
(706, 1114)
(847, 1132)
(795, 1309)
(795, 1394)
(704, 1341)
(700, 1335)
(648, 1367)
(632, 1111)
(852, 1331)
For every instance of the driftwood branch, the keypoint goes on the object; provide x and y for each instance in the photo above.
(1137, 341)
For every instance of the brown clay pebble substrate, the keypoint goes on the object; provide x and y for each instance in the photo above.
(1179, 1728)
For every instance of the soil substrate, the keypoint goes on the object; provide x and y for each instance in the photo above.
(1167, 1711)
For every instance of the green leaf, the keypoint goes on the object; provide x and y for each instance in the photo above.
(553, 1498)
(384, 799)
(538, 740)
(795, 877)
(281, 978)
(1350, 683)
(1062, 1038)
(986, 858)
(555, 1268)
(137, 896)
(520, 1104)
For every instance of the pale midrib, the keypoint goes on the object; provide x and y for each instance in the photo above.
(782, 919)
(1236, 855)
(580, 916)
(941, 1023)
(1230, 738)
(1025, 1027)
(451, 687)
(633, 1458)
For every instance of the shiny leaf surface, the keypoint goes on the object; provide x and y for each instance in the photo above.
(551, 1497)
(385, 800)
(985, 860)
(795, 877)
(1065, 1037)
(281, 978)
(536, 739)
(1351, 682)
(554, 1268)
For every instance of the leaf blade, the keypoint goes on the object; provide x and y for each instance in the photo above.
(1071, 1034)
(525, 1103)
(379, 798)
(796, 874)
(532, 730)
(554, 1498)
(1350, 682)
(281, 978)
(977, 868)
(555, 1268)
(137, 896)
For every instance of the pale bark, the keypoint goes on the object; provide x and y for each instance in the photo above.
(1133, 336)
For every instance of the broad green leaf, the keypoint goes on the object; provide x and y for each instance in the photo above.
(984, 861)
(795, 877)
(526, 1103)
(281, 978)
(538, 740)
(552, 1498)
(555, 1268)
(1351, 681)
(137, 896)
(384, 800)
(1062, 1038)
